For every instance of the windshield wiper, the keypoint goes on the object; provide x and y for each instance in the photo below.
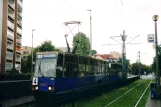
(40, 70)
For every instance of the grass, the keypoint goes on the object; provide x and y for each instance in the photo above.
(128, 100)
(143, 101)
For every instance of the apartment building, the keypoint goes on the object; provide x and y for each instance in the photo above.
(26, 51)
(10, 34)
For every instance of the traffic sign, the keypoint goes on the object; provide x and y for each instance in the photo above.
(150, 38)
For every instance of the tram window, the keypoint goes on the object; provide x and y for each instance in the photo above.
(95, 70)
(71, 64)
(60, 59)
(81, 70)
(103, 70)
(71, 70)
(81, 60)
(59, 68)
(92, 70)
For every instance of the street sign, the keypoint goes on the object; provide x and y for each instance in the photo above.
(150, 38)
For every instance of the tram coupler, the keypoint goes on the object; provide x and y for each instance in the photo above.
(155, 91)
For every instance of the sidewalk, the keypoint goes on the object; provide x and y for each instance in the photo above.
(153, 103)
(16, 101)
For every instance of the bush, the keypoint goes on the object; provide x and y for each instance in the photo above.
(14, 76)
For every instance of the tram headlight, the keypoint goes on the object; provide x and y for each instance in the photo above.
(49, 88)
(36, 88)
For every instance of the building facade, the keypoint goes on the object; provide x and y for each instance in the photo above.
(10, 34)
(26, 51)
(62, 49)
(115, 54)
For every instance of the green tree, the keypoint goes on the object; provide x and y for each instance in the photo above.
(84, 44)
(135, 68)
(46, 46)
(159, 59)
(144, 68)
(93, 52)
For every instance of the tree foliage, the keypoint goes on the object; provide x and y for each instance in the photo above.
(144, 68)
(45, 46)
(93, 52)
(84, 43)
(159, 59)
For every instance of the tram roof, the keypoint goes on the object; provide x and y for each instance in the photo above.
(58, 52)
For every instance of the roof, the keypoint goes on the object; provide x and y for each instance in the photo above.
(105, 56)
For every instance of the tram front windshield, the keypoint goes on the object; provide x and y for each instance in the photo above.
(45, 65)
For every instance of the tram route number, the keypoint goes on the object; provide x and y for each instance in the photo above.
(35, 81)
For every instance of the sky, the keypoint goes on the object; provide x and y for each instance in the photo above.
(109, 18)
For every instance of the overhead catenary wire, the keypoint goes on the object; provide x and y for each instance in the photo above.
(118, 8)
(69, 5)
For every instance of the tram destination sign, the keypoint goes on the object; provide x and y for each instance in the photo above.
(47, 56)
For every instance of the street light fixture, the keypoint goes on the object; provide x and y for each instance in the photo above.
(90, 31)
(32, 52)
(155, 19)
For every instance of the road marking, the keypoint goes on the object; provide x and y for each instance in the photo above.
(122, 95)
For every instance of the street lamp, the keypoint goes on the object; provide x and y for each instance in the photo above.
(155, 19)
(90, 31)
(32, 52)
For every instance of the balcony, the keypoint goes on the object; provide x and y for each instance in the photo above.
(18, 58)
(11, 13)
(19, 31)
(9, 66)
(18, 49)
(11, 3)
(10, 24)
(10, 46)
(18, 66)
(20, 2)
(19, 40)
(19, 11)
(9, 55)
(19, 21)
(10, 35)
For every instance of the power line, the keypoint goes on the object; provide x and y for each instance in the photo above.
(118, 9)
(69, 5)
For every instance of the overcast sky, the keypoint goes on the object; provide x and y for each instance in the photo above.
(109, 18)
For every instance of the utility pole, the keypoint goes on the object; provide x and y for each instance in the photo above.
(90, 31)
(139, 64)
(32, 52)
(124, 55)
(123, 37)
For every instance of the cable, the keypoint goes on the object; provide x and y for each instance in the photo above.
(69, 5)
(132, 39)
(118, 8)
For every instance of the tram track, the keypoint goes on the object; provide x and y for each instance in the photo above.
(122, 95)
(132, 97)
